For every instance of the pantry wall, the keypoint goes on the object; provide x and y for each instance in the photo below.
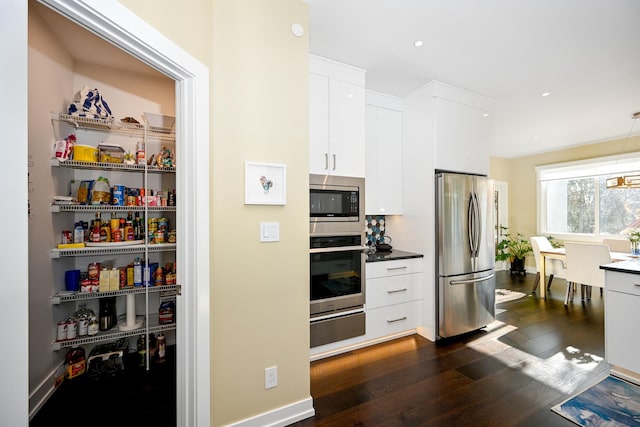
(56, 73)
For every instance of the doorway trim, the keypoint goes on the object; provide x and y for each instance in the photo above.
(118, 25)
(501, 214)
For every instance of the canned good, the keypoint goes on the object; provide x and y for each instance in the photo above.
(62, 331)
(83, 326)
(94, 270)
(72, 328)
(67, 237)
(85, 285)
(172, 236)
(152, 229)
(159, 236)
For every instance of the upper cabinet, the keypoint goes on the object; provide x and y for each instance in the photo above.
(336, 118)
(449, 125)
(383, 154)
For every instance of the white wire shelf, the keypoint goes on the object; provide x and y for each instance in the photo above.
(117, 250)
(116, 126)
(76, 164)
(171, 292)
(114, 333)
(109, 208)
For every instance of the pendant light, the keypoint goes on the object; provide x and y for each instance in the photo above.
(628, 181)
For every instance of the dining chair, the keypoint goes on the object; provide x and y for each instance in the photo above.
(618, 245)
(541, 243)
(583, 262)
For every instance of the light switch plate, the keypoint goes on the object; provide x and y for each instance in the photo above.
(270, 231)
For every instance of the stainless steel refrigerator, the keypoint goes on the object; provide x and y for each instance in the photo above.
(465, 253)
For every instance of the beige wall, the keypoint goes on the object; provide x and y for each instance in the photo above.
(259, 112)
(520, 174)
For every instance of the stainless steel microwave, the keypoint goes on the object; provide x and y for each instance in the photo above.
(336, 205)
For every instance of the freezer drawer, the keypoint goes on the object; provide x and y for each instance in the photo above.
(465, 303)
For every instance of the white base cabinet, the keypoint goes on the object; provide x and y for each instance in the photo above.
(622, 317)
(393, 297)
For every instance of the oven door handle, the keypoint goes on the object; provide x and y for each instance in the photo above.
(338, 249)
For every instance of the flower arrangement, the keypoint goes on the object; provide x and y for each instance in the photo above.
(633, 235)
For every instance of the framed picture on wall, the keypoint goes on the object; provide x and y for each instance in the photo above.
(265, 184)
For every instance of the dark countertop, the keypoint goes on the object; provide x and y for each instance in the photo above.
(391, 255)
(631, 267)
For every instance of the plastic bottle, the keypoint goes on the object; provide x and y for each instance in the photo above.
(142, 351)
(76, 362)
(161, 348)
(137, 272)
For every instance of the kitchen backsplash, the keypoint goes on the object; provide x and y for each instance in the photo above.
(375, 228)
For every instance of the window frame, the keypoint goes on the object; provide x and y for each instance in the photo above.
(625, 164)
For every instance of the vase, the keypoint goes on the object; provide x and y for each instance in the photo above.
(635, 247)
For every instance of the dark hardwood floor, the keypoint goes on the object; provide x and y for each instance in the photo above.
(536, 354)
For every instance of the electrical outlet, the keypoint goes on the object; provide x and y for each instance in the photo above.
(271, 377)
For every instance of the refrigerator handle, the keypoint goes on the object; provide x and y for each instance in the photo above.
(471, 226)
(466, 282)
(478, 227)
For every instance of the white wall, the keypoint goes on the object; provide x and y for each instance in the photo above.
(13, 113)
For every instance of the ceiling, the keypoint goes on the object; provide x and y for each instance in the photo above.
(584, 53)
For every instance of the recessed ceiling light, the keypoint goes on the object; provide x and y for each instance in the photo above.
(418, 43)
(536, 138)
(546, 93)
(485, 114)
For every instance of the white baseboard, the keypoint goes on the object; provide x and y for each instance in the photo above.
(282, 416)
(43, 391)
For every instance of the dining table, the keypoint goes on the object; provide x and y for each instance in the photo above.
(559, 253)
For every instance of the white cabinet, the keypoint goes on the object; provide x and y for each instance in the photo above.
(461, 135)
(393, 297)
(383, 161)
(336, 119)
(622, 315)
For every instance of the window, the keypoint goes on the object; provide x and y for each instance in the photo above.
(574, 200)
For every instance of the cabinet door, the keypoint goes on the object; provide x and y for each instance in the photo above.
(621, 319)
(318, 124)
(461, 135)
(383, 161)
(346, 129)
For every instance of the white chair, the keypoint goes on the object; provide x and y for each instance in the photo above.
(541, 243)
(618, 245)
(583, 267)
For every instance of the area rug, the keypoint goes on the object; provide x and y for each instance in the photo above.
(504, 295)
(611, 402)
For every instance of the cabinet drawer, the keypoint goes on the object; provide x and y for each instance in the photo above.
(393, 319)
(392, 290)
(622, 282)
(393, 268)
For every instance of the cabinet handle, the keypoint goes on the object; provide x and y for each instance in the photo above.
(397, 320)
(397, 290)
(334, 161)
(326, 161)
(396, 268)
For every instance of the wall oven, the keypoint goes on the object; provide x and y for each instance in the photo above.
(337, 259)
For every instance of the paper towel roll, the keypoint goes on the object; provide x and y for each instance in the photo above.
(131, 310)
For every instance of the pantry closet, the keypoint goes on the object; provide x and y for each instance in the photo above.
(64, 58)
